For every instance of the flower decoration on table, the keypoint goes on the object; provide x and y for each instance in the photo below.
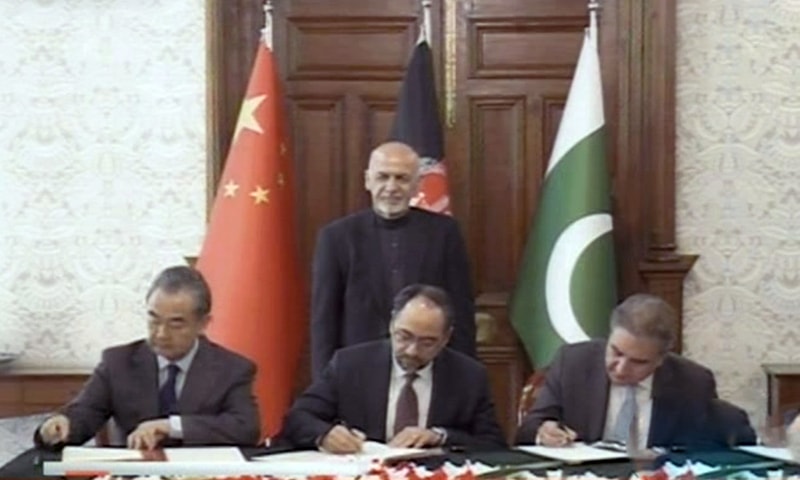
(484, 472)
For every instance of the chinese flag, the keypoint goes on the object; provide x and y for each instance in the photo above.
(417, 124)
(250, 256)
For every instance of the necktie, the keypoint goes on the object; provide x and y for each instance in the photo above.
(167, 399)
(407, 412)
(626, 429)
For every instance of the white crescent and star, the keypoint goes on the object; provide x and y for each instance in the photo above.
(567, 250)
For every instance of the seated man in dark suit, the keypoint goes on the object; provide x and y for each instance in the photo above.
(629, 389)
(174, 387)
(410, 390)
(729, 425)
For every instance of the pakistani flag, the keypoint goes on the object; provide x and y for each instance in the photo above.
(567, 283)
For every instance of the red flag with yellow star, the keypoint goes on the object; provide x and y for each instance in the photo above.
(250, 256)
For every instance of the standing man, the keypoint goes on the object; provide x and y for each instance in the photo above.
(174, 387)
(628, 389)
(410, 391)
(362, 260)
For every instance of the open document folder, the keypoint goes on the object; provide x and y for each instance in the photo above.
(188, 454)
(370, 452)
(225, 461)
(577, 452)
(778, 453)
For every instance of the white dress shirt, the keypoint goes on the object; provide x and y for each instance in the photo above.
(423, 386)
(644, 404)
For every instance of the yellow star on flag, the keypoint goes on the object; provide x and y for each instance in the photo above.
(260, 195)
(283, 149)
(247, 116)
(281, 180)
(230, 188)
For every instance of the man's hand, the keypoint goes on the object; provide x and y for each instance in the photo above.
(149, 434)
(341, 439)
(55, 430)
(551, 434)
(415, 437)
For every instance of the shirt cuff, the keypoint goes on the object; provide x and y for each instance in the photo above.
(442, 432)
(175, 427)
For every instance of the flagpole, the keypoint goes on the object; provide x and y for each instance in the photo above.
(266, 32)
(594, 7)
(425, 31)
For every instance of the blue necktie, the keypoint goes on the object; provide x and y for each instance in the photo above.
(167, 399)
(626, 425)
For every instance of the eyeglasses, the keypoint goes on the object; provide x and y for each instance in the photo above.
(406, 338)
(170, 325)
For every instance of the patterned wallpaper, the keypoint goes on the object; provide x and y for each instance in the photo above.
(738, 151)
(102, 167)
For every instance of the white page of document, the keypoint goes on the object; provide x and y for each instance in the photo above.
(370, 451)
(578, 452)
(83, 454)
(778, 453)
(204, 454)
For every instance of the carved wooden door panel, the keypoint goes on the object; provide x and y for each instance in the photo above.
(503, 68)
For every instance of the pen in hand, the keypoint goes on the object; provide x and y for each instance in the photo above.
(571, 435)
(555, 434)
(343, 439)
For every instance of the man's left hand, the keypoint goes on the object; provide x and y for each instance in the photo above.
(149, 434)
(415, 437)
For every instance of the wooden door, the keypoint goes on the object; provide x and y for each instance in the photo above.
(504, 69)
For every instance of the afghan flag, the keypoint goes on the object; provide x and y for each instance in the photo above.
(567, 281)
(418, 125)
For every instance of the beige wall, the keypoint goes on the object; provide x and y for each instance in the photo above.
(102, 167)
(739, 187)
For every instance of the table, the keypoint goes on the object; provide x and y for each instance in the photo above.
(29, 463)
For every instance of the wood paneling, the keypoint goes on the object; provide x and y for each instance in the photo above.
(22, 394)
(342, 63)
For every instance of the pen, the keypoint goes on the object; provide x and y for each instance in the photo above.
(354, 431)
(570, 432)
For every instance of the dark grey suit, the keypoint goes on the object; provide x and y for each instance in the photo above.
(576, 389)
(216, 404)
(350, 299)
(354, 390)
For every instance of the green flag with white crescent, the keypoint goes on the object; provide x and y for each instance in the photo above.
(566, 287)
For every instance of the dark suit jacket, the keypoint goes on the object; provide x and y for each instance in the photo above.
(216, 404)
(729, 425)
(576, 389)
(354, 390)
(350, 302)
